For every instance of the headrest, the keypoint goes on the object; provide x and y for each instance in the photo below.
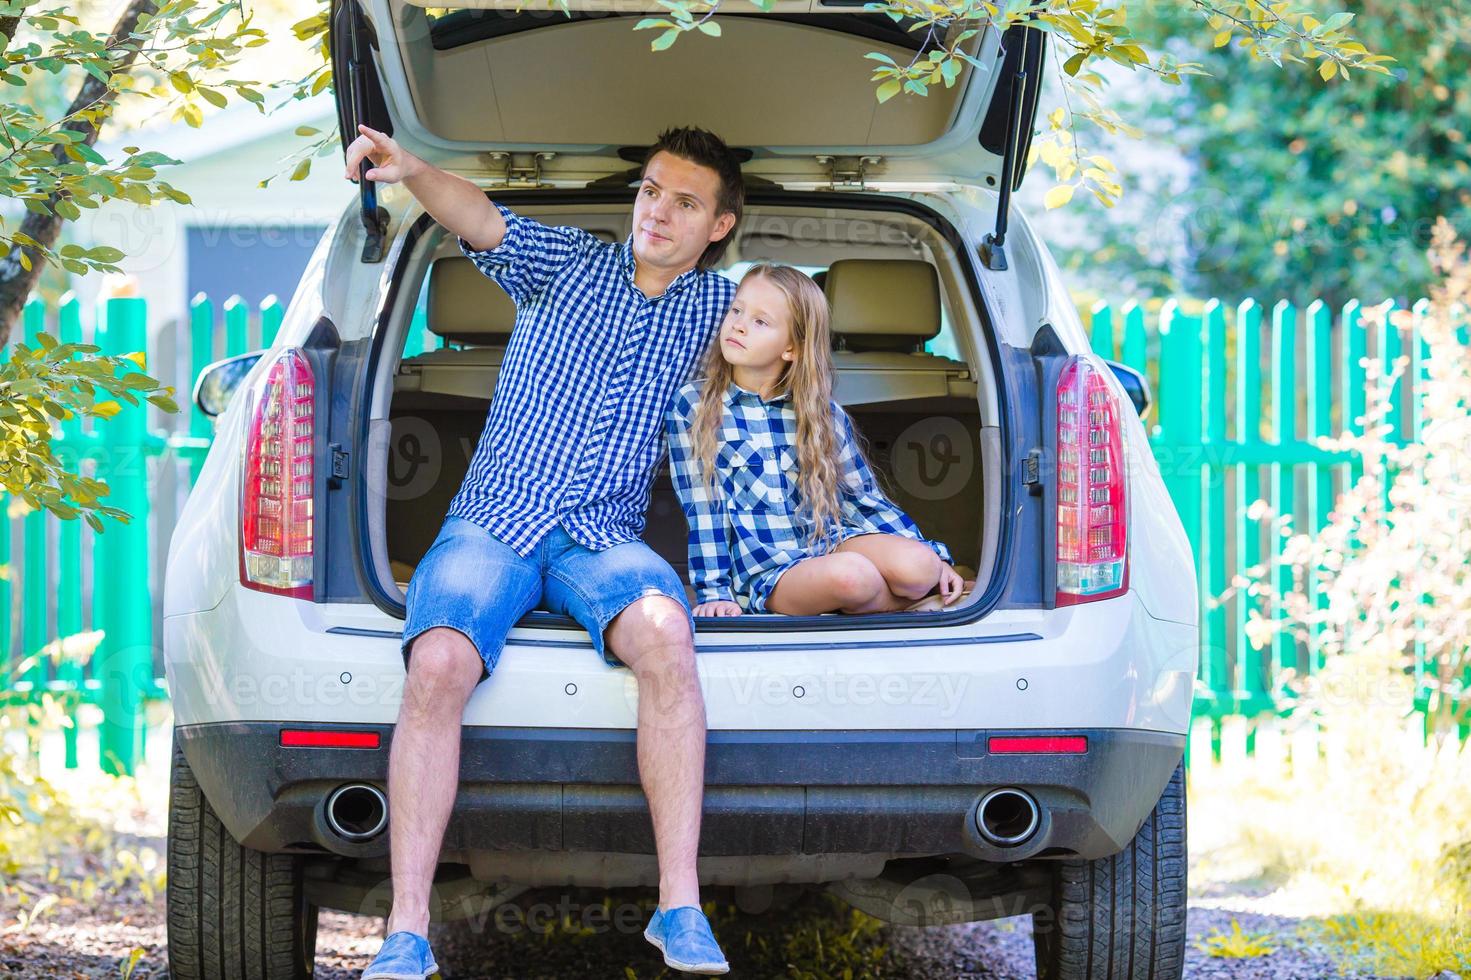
(467, 306)
(883, 304)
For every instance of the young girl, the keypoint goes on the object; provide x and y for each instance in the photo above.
(785, 515)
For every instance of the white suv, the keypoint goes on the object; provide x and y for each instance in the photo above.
(1018, 753)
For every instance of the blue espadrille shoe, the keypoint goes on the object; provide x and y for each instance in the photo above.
(404, 956)
(683, 935)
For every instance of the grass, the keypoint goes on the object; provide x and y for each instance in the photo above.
(1237, 944)
(1366, 836)
(69, 840)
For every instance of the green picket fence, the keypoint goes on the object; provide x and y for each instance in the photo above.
(122, 673)
(1229, 429)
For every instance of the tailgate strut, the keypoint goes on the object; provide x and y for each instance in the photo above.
(992, 249)
(355, 89)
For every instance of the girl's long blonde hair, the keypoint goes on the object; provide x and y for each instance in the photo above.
(808, 378)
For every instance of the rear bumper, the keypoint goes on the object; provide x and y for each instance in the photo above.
(774, 793)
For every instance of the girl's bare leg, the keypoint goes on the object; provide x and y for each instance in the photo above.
(867, 573)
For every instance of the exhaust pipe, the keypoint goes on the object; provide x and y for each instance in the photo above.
(357, 812)
(1007, 817)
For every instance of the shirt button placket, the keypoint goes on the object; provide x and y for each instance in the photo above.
(613, 396)
(768, 452)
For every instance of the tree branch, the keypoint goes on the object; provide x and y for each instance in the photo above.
(16, 282)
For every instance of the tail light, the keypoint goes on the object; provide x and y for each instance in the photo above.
(1092, 513)
(276, 496)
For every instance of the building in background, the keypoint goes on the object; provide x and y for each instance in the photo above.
(236, 237)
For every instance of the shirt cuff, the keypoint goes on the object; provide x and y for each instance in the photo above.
(510, 243)
(939, 548)
(713, 595)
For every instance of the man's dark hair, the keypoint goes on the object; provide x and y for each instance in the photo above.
(705, 148)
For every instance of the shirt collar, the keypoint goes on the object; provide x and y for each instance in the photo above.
(630, 267)
(735, 393)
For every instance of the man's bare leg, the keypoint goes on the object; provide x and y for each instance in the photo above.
(652, 636)
(424, 767)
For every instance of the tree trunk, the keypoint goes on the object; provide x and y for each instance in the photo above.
(16, 282)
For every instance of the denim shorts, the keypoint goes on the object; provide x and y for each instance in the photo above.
(473, 581)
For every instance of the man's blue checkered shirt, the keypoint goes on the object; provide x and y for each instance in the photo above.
(575, 429)
(748, 533)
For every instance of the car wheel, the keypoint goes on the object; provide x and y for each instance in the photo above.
(1121, 917)
(233, 912)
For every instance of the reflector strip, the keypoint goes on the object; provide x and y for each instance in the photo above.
(1001, 744)
(296, 737)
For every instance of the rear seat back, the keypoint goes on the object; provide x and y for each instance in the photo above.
(883, 304)
(883, 312)
(467, 307)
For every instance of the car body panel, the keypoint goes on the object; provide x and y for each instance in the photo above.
(258, 657)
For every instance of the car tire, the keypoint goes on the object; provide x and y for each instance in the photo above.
(1121, 917)
(233, 912)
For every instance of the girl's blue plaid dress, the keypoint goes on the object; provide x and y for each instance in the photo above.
(745, 535)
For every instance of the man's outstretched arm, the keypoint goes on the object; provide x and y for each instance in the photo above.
(453, 201)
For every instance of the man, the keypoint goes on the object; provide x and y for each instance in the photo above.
(553, 501)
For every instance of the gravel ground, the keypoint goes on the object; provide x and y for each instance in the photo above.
(94, 939)
(814, 938)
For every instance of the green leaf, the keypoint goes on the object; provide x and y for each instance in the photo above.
(89, 154)
(142, 382)
(105, 253)
(710, 27)
(215, 17)
(664, 40)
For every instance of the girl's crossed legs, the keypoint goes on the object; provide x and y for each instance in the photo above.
(866, 573)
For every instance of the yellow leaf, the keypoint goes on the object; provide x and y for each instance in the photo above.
(1327, 69)
(106, 409)
(1058, 196)
(1223, 38)
(138, 357)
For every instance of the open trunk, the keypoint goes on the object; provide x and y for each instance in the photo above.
(925, 409)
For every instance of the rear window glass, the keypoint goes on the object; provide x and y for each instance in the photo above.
(451, 27)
